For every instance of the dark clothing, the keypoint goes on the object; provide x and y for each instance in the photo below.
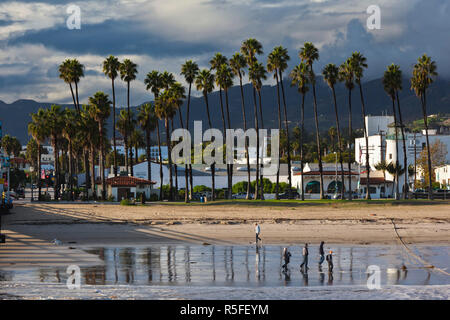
(322, 258)
(321, 252)
(330, 262)
(305, 258)
(287, 259)
(257, 238)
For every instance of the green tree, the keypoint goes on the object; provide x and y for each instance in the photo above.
(331, 76)
(111, 67)
(128, 72)
(423, 73)
(148, 121)
(308, 54)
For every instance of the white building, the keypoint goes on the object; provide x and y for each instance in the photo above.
(382, 146)
(443, 176)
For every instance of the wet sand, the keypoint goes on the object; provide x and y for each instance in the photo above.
(346, 223)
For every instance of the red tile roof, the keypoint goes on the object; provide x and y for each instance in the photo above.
(325, 173)
(374, 180)
(125, 181)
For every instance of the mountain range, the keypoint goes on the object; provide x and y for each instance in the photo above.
(16, 116)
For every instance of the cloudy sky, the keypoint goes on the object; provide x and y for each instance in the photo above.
(162, 34)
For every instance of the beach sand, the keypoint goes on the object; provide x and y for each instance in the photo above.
(232, 223)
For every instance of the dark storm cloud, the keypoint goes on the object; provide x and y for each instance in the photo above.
(112, 37)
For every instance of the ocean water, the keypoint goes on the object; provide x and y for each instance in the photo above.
(240, 272)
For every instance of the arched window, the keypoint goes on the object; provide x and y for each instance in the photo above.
(313, 187)
(332, 187)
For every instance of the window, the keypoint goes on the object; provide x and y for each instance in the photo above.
(390, 156)
(313, 187)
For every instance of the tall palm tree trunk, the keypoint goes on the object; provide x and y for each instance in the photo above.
(130, 157)
(277, 185)
(147, 151)
(92, 156)
(191, 182)
(73, 98)
(186, 172)
(76, 93)
(70, 171)
(224, 132)
(86, 172)
(257, 143)
(425, 120)
(302, 133)
(339, 142)
(39, 181)
(114, 128)
(397, 192)
(169, 148)
(125, 142)
(319, 149)
(366, 136)
(160, 163)
(213, 166)
(287, 136)
(350, 138)
(261, 180)
(56, 165)
(246, 141)
(175, 167)
(405, 159)
(230, 179)
(102, 162)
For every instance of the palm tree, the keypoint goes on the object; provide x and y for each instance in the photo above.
(359, 64)
(224, 79)
(100, 109)
(39, 131)
(128, 71)
(346, 75)
(123, 125)
(190, 71)
(277, 63)
(330, 76)
(205, 83)
(382, 166)
(148, 121)
(111, 69)
(55, 124)
(395, 170)
(390, 85)
(237, 64)
(69, 131)
(166, 109)
(309, 53)
(423, 73)
(137, 141)
(66, 74)
(178, 95)
(256, 74)
(300, 78)
(393, 83)
(154, 83)
(250, 48)
(91, 141)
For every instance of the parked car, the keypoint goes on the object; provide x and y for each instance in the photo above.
(20, 193)
(294, 195)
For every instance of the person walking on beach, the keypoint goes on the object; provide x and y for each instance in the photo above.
(287, 259)
(321, 253)
(305, 254)
(257, 232)
(330, 261)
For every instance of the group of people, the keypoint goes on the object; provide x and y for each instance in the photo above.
(305, 253)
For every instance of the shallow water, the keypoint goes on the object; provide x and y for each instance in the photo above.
(247, 266)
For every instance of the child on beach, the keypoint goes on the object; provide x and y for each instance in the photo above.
(287, 258)
(330, 261)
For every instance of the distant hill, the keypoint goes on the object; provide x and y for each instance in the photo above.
(16, 116)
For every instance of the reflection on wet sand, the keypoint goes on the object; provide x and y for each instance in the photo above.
(230, 266)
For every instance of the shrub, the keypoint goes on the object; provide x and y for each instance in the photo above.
(126, 202)
(154, 197)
